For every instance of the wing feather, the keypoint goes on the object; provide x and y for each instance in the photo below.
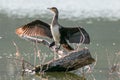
(76, 35)
(35, 28)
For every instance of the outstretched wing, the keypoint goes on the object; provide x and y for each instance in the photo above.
(76, 35)
(35, 28)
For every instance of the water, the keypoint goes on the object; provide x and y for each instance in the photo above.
(101, 19)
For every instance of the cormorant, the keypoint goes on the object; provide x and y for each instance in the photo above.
(59, 33)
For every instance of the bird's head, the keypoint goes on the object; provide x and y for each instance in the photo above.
(54, 9)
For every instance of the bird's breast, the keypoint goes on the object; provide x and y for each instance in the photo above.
(56, 33)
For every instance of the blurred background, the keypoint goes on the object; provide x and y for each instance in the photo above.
(100, 18)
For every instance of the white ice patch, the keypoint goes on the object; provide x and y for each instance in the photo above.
(78, 8)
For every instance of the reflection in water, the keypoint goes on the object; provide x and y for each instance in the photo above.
(7, 69)
(63, 76)
(59, 76)
(11, 69)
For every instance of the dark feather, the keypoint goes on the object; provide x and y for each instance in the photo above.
(35, 28)
(65, 44)
(67, 47)
(75, 35)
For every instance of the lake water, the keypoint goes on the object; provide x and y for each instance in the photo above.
(101, 19)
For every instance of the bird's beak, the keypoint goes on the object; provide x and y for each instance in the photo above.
(51, 9)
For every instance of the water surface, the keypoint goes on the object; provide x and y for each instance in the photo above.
(101, 21)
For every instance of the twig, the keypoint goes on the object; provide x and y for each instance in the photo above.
(108, 59)
(33, 39)
(96, 58)
(46, 43)
(69, 62)
(17, 49)
(82, 38)
(23, 67)
(22, 61)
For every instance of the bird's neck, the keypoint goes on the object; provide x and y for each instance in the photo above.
(54, 20)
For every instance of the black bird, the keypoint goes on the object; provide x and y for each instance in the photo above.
(59, 33)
